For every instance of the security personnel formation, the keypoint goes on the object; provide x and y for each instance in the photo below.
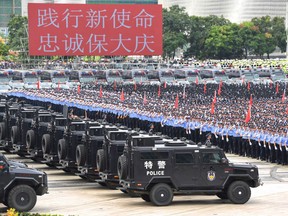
(98, 151)
(263, 137)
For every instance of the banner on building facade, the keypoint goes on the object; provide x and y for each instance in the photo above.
(94, 29)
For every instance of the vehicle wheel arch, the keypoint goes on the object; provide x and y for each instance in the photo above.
(231, 179)
(30, 182)
(165, 180)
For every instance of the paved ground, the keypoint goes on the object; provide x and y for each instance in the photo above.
(70, 195)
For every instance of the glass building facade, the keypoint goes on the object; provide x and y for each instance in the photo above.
(122, 1)
(19, 7)
(235, 10)
(25, 2)
(8, 8)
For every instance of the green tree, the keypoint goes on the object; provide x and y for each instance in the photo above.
(266, 41)
(17, 32)
(175, 22)
(257, 45)
(4, 49)
(171, 42)
(279, 32)
(247, 33)
(198, 31)
(223, 42)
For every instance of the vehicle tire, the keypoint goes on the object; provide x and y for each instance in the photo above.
(124, 191)
(67, 170)
(146, 197)
(46, 143)
(62, 149)
(83, 177)
(80, 155)
(100, 160)
(8, 150)
(50, 164)
(22, 198)
(122, 167)
(30, 139)
(161, 194)
(111, 185)
(222, 195)
(239, 192)
(14, 135)
(2, 130)
(90, 179)
(5, 203)
(103, 184)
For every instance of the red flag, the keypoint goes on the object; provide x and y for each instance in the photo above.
(135, 86)
(248, 115)
(283, 97)
(165, 85)
(248, 86)
(100, 92)
(251, 100)
(78, 89)
(114, 85)
(212, 111)
(197, 80)
(270, 85)
(219, 90)
(184, 92)
(159, 91)
(144, 99)
(215, 98)
(277, 88)
(122, 96)
(220, 87)
(176, 104)
(38, 84)
(205, 88)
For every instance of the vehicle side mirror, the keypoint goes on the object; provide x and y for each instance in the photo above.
(224, 161)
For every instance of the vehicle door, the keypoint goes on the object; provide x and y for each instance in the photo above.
(186, 170)
(214, 169)
(5, 177)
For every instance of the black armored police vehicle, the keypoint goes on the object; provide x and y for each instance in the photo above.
(92, 141)
(39, 127)
(2, 111)
(71, 139)
(49, 141)
(20, 185)
(157, 172)
(107, 157)
(24, 122)
(9, 120)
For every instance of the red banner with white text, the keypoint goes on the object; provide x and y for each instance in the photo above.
(94, 29)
